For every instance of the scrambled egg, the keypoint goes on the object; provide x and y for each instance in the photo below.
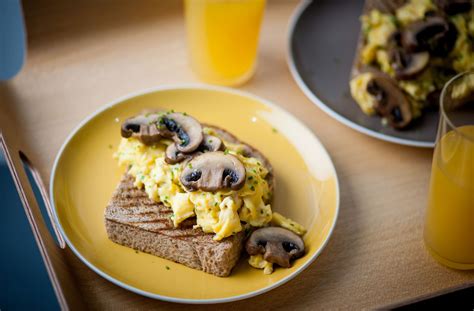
(281, 221)
(463, 53)
(258, 262)
(358, 86)
(377, 28)
(413, 11)
(463, 88)
(218, 212)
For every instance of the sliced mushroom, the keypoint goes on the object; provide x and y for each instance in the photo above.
(212, 171)
(173, 155)
(183, 129)
(143, 127)
(277, 245)
(391, 103)
(209, 143)
(452, 7)
(435, 34)
(408, 65)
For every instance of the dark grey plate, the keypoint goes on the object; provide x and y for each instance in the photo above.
(322, 42)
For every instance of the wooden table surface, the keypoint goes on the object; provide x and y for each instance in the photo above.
(81, 56)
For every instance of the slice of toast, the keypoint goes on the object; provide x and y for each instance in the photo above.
(134, 220)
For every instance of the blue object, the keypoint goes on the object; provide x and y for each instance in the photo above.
(24, 282)
(12, 38)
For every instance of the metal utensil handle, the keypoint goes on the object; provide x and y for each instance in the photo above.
(56, 265)
(44, 194)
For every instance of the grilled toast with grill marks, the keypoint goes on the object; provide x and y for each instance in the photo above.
(134, 220)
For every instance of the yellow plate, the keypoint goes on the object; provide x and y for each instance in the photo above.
(85, 175)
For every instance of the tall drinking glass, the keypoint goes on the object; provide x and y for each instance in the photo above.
(223, 38)
(449, 227)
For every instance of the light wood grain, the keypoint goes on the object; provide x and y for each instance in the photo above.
(82, 56)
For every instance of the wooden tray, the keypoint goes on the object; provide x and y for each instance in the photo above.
(81, 57)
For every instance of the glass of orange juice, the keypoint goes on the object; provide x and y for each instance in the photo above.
(449, 226)
(223, 38)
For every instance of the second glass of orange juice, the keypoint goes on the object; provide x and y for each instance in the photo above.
(223, 38)
(449, 227)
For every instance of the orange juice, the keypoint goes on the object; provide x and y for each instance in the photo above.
(223, 38)
(449, 229)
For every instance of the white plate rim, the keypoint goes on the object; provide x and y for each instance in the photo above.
(181, 86)
(320, 104)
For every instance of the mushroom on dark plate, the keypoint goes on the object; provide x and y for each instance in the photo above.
(413, 47)
(212, 171)
(452, 7)
(435, 34)
(277, 245)
(391, 103)
(408, 65)
(209, 144)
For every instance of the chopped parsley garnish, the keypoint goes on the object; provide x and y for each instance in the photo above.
(250, 178)
(190, 165)
(167, 268)
(136, 251)
(274, 130)
(252, 188)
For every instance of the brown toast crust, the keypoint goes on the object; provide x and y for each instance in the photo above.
(134, 220)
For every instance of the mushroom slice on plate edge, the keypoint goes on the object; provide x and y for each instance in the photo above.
(278, 245)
